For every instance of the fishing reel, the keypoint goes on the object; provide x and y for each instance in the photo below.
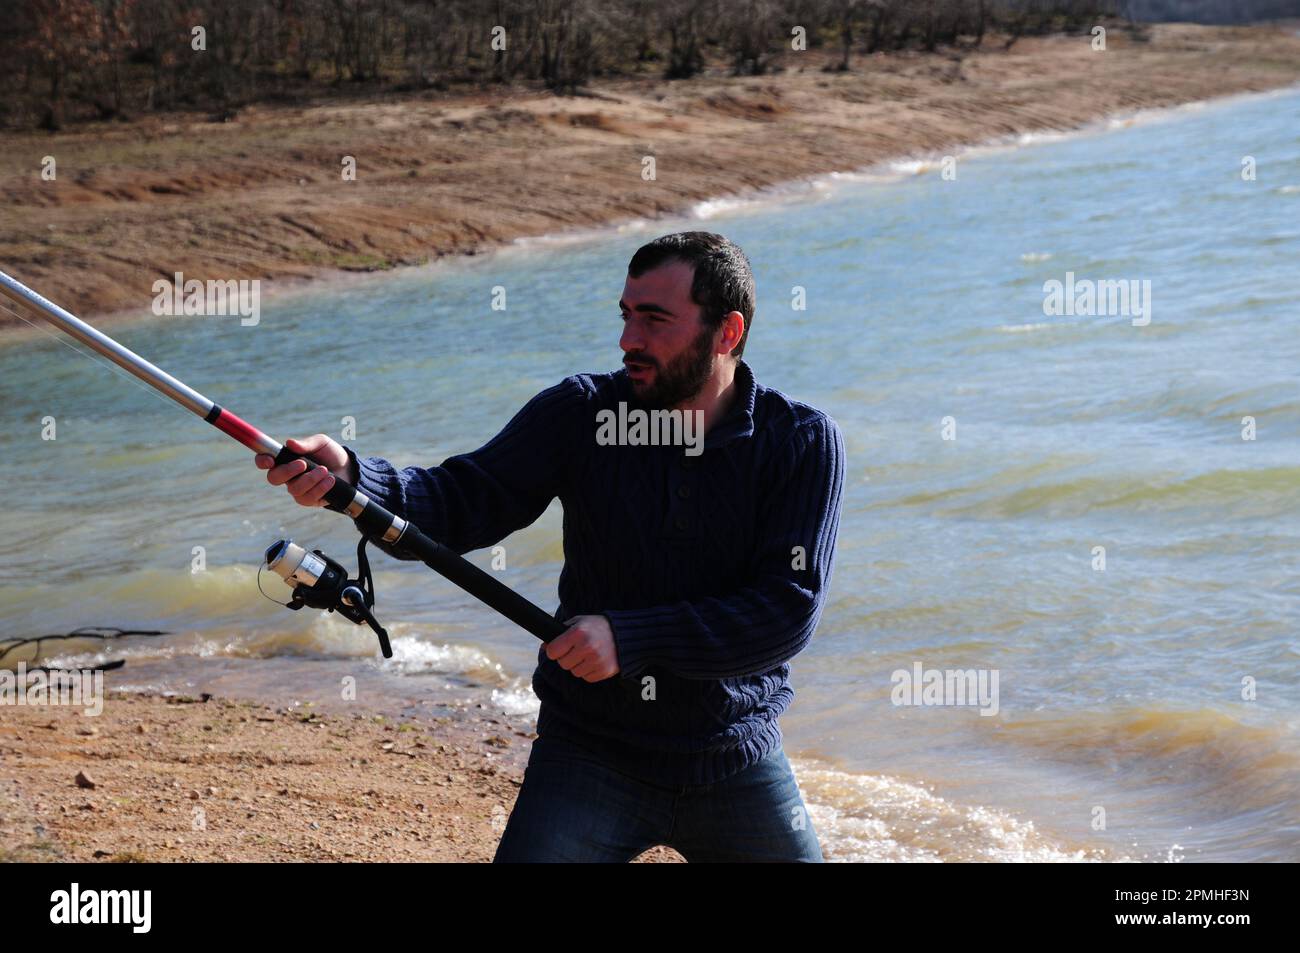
(323, 583)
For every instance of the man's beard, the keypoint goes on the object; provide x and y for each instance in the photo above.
(683, 378)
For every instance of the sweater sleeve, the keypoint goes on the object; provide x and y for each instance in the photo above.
(769, 621)
(477, 499)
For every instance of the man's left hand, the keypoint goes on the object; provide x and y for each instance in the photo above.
(587, 649)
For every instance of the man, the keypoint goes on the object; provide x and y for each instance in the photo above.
(692, 572)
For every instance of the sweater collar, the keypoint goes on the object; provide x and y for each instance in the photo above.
(739, 421)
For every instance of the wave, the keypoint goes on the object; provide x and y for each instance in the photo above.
(415, 655)
(1039, 138)
(219, 613)
(1023, 328)
(874, 818)
(912, 166)
(1235, 766)
(165, 598)
(1004, 494)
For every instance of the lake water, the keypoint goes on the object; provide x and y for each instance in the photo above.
(1120, 690)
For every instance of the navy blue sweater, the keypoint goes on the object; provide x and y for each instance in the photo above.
(712, 568)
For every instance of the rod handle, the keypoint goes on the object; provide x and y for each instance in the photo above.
(338, 496)
(374, 521)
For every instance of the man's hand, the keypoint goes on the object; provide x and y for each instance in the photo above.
(308, 489)
(587, 649)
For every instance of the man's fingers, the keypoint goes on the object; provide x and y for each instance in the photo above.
(561, 645)
(588, 667)
(322, 448)
(572, 659)
(306, 481)
(307, 444)
(316, 495)
(306, 488)
(568, 650)
(286, 472)
(579, 652)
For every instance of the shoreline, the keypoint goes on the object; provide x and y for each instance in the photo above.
(275, 779)
(213, 779)
(977, 99)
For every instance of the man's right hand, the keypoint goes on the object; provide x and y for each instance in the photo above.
(308, 489)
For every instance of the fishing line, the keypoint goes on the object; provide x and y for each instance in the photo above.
(260, 568)
(90, 357)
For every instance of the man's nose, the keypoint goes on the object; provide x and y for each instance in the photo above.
(631, 340)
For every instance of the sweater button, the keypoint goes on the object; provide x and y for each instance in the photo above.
(683, 492)
(682, 523)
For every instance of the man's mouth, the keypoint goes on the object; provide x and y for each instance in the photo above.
(637, 369)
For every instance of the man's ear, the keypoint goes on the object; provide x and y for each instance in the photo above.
(733, 329)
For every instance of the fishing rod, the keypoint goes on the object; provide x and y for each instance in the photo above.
(320, 582)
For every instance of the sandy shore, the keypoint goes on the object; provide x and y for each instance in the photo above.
(179, 779)
(264, 196)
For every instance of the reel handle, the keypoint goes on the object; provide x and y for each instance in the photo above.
(356, 599)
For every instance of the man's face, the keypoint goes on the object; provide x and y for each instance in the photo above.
(667, 349)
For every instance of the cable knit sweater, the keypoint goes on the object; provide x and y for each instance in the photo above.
(711, 567)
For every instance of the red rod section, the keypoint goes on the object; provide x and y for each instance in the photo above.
(244, 432)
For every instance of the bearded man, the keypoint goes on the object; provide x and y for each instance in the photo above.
(692, 575)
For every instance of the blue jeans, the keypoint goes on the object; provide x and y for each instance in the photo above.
(572, 807)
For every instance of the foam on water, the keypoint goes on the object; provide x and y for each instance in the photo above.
(412, 655)
(518, 699)
(871, 818)
(1025, 328)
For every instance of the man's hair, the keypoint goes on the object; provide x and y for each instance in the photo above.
(723, 281)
